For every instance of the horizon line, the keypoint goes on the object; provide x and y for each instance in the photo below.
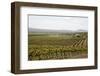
(56, 29)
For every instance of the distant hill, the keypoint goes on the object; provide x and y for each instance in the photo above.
(53, 31)
(80, 30)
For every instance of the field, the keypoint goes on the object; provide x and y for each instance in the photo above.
(51, 46)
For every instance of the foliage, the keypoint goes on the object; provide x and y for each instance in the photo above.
(56, 46)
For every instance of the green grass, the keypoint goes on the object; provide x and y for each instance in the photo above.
(45, 46)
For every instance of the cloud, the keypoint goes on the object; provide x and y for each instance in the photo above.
(58, 22)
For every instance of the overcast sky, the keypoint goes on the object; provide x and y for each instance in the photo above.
(58, 22)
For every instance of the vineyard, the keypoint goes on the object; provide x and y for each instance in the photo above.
(57, 46)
